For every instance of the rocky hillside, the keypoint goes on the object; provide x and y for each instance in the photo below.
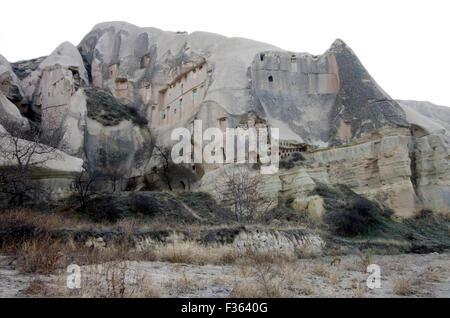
(123, 85)
(439, 116)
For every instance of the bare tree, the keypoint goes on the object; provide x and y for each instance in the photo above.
(22, 150)
(112, 165)
(82, 185)
(239, 188)
(162, 154)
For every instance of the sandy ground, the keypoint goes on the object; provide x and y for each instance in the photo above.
(426, 276)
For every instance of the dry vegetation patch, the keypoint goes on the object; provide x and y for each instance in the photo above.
(402, 285)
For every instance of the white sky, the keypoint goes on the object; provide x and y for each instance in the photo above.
(405, 45)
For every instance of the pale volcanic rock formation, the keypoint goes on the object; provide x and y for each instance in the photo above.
(379, 169)
(9, 83)
(66, 55)
(431, 175)
(75, 123)
(440, 115)
(10, 113)
(121, 151)
(28, 73)
(62, 72)
(350, 131)
(327, 99)
(421, 125)
(309, 98)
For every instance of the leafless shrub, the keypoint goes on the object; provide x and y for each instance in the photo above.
(402, 285)
(162, 154)
(82, 186)
(291, 273)
(111, 280)
(266, 275)
(239, 188)
(111, 168)
(40, 255)
(432, 274)
(264, 281)
(247, 289)
(23, 151)
(166, 169)
(37, 287)
(183, 283)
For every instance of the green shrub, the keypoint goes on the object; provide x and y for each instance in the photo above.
(103, 107)
(296, 156)
(355, 218)
(287, 164)
(347, 213)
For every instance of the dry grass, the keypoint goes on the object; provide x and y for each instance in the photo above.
(359, 289)
(110, 280)
(432, 274)
(264, 284)
(41, 256)
(305, 251)
(198, 254)
(334, 277)
(364, 259)
(306, 288)
(268, 278)
(402, 285)
(193, 253)
(107, 272)
(184, 283)
(37, 287)
(320, 270)
(246, 289)
(350, 265)
(292, 273)
(63, 218)
(266, 274)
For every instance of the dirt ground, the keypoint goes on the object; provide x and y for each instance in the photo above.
(405, 275)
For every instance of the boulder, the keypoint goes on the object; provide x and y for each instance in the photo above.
(10, 113)
(9, 83)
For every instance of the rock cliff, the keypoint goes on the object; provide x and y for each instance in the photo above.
(122, 81)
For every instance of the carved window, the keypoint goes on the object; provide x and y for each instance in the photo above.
(270, 78)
